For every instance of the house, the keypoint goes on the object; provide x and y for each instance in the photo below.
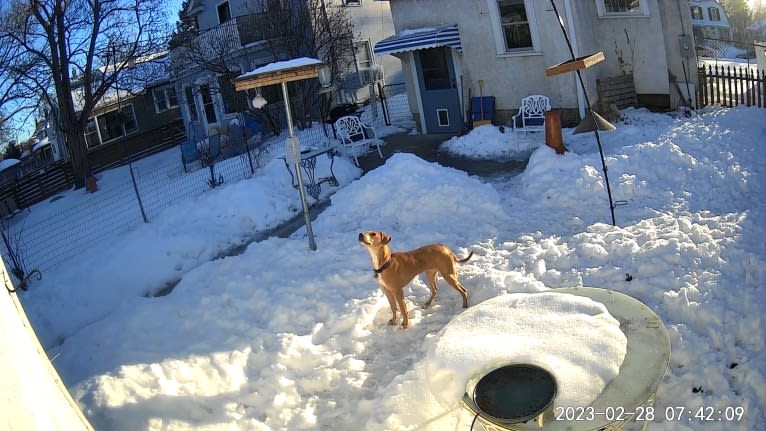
(372, 23)
(709, 20)
(225, 46)
(137, 117)
(447, 48)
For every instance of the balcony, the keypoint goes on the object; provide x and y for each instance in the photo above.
(220, 41)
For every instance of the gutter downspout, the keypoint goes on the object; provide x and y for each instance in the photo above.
(573, 36)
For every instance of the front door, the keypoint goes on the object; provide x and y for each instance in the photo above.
(438, 90)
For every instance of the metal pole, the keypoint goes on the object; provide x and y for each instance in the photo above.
(292, 150)
(587, 106)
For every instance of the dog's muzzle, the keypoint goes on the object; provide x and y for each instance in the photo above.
(362, 239)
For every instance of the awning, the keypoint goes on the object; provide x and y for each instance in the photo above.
(420, 38)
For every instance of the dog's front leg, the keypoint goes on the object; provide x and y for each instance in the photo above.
(391, 303)
(402, 307)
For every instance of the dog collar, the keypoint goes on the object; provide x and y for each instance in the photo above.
(382, 268)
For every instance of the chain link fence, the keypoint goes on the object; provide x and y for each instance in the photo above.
(120, 207)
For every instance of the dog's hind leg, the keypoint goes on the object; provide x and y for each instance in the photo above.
(431, 281)
(453, 281)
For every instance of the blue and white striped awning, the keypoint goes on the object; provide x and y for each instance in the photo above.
(420, 38)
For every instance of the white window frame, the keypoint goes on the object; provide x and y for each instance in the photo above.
(692, 9)
(125, 133)
(710, 13)
(352, 3)
(497, 30)
(641, 13)
(163, 93)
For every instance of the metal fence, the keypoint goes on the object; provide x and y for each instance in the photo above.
(118, 208)
(731, 86)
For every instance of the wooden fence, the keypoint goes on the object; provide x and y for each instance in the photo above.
(33, 188)
(731, 86)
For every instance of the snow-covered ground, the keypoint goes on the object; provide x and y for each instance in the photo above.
(283, 338)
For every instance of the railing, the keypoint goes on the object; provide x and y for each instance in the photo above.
(222, 39)
(731, 86)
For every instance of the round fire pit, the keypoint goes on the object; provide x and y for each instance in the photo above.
(512, 394)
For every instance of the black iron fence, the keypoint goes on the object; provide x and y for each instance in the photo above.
(728, 85)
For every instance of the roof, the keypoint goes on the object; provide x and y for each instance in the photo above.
(420, 38)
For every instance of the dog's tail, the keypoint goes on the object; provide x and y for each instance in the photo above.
(462, 260)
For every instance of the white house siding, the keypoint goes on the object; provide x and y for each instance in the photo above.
(653, 48)
(372, 21)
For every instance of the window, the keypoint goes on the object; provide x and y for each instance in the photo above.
(191, 104)
(696, 12)
(224, 12)
(622, 8)
(515, 21)
(164, 99)
(433, 63)
(352, 2)
(91, 133)
(363, 54)
(208, 105)
(714, 14)
(112, 125)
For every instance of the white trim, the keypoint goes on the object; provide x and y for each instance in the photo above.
(438, 117)
(643, 13)
(218, 15)
(418, 96)
(576, 50)
(497, 30)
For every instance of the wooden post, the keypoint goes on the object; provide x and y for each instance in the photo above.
(553, 136)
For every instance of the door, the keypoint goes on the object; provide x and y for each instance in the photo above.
(209, 114)
(438, 89)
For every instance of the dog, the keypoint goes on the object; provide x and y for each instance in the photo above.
(394, 270)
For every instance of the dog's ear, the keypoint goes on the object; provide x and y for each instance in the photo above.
(385, 238)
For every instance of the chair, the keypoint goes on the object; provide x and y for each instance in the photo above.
(213, 147)
(189, 152)
(236, 140)
(354, 134)
(531, 115)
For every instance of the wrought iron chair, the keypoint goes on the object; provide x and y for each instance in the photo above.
(354, 134)
(531, 115)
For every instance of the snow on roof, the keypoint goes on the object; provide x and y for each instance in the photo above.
(41, 143)
(278, 66)
(7, 163)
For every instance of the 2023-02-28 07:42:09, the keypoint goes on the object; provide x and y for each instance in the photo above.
(651, 413)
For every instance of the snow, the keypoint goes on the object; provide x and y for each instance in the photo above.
(560, 332)
(283, 338)
(278, 66)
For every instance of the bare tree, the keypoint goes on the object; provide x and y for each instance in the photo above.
(313, 28)
(288, 29)
(81, 44)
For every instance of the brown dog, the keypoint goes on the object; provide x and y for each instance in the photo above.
(394, 270)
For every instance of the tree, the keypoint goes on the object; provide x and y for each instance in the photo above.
(12, 151)
(88, 45)
(739, 17)
(311, 28)
(288, 29)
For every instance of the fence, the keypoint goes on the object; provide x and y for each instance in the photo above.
(731, 86)
(118, 208)
(122, 205)
(394, 106)
(31, 189)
